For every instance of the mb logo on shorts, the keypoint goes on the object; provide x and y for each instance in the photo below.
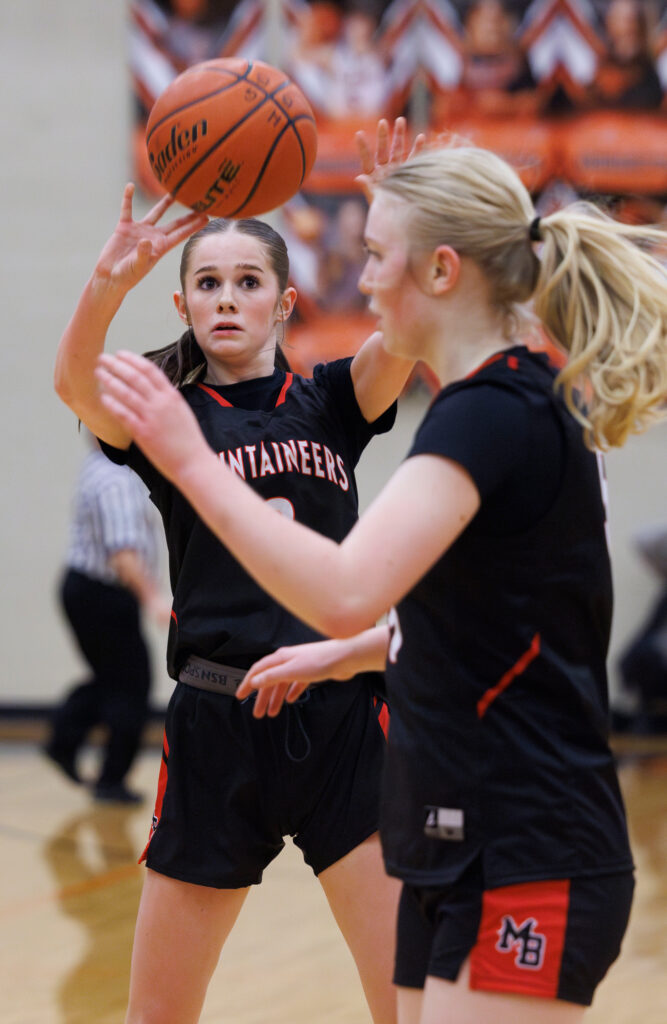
(529, 945)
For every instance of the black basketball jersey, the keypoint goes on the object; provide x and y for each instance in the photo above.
(294, 440)
(498, 742)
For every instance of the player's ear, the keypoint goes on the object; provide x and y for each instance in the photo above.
(181, 308)
(286, 303)
(444, 269)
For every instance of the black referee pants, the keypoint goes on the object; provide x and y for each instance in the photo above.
(107, 626)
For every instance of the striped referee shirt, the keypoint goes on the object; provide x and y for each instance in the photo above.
(111, 512)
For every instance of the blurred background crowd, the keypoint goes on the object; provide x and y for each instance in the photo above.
(572, 92)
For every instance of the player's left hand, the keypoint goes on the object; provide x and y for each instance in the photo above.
(137, 393)
(390, 150)
(283, 676)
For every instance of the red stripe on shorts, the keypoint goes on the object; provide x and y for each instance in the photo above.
(161, 787)
(520, 941)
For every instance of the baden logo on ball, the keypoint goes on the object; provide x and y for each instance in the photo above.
(231, 138)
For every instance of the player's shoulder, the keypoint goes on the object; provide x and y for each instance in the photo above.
(517, 372)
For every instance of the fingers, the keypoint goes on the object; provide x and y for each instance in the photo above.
(269, 700)
(144, 252)
(126, 417)
(267, 672)
(390, 150)
(119, 398)
(191, 222)
(382, 142)
(184, 227)
(127, 382)
(397, 148)
(126, 202)
(365, 156)
(417, 145)
(129, 377)
(154, 214)
(271, 682)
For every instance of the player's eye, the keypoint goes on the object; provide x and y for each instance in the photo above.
(250, 281)
(206, 283)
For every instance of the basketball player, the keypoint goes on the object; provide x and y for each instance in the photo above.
(230, 788)
(501, 809)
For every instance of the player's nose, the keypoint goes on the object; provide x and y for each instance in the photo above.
(226, 298)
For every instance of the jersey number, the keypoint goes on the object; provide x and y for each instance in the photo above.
(395, 636)
(283, 506)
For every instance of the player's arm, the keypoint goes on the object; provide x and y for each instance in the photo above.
(285, 674)
(132, 251)
(341, 589)
(378, 377)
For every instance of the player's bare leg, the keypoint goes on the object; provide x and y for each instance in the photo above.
(181, 929)
(364, 902)
(409, 1003)
(456, 1003)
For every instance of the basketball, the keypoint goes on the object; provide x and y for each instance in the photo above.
(231, 138)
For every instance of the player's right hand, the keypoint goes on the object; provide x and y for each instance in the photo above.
(136, 245)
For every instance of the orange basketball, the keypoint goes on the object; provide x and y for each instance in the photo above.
(231, 138)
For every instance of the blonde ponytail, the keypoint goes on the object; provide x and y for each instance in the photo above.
(603, 298)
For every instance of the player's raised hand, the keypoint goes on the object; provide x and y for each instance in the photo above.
(391, 149)
(152, 411)
(136, 245)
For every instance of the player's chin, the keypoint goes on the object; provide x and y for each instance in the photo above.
(392, 343)
(226, 344)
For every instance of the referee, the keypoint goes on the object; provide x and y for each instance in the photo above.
(111, 570)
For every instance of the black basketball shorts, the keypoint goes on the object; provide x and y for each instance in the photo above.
(554, 938)
(232, 786)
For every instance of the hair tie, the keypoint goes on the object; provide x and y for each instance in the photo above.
(534, 232)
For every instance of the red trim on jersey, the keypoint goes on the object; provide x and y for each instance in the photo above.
(214, 394)
(520, 941)
(517, 668)
(289, 377)
(161, 787)
(512, 362)
(487, 362)
(173, 615)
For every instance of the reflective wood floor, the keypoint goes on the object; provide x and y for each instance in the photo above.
(69, 889)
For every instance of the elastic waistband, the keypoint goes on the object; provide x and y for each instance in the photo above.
(209, 675)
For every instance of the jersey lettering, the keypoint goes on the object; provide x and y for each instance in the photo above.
(271, 458)
(235, 462)
(278, 456)
(305, 458)
(291, 457)
(528, 944)
(250, 449)
(266, 466)
(344, 482)
(330, 464)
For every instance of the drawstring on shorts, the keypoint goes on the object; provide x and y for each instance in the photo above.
(294, 715)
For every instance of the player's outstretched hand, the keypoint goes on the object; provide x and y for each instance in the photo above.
(390, 150)
(152, 411)
(136, 245)
(284, 675)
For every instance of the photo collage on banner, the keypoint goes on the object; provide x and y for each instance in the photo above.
(573, 93)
